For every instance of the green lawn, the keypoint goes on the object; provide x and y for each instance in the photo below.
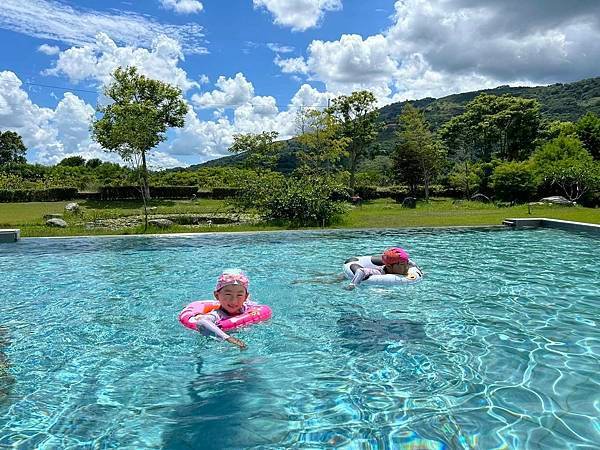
(382, 213)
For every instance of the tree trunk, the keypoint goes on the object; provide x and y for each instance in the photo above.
(468, 193)
(146, 186)
(353, 158)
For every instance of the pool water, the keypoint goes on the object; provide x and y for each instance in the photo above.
(498, 347)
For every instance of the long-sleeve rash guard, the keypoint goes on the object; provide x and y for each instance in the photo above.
(208, 323)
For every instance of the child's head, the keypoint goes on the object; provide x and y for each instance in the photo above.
(396, 260)
(232, 290)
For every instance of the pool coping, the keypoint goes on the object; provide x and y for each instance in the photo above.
(9, 235)
(543, 222)
(517, 223)
(310, 230)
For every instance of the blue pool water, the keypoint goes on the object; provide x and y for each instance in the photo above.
(499, 346)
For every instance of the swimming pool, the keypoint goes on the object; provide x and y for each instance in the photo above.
(499, 346)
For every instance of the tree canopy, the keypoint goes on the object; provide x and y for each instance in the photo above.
(137, 118)
(357, 114)
(12, 149)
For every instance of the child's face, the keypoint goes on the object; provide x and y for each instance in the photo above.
(398, 268)
(232, 298)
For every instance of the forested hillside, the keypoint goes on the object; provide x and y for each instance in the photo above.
(566, 102)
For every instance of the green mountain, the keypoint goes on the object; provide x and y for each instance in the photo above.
(566, 102)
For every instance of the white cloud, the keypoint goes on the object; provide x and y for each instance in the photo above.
(279, 48)
(183, 6)
(291, 65)
(51, 19)
(536, 40)
(54, 134)
(298, 14)
(231, 92)
(98, 60)
(49, 49)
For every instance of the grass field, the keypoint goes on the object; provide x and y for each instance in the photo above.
(383, 213)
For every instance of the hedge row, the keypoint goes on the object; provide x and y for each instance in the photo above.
(400, 192)
(38, 195)
(156, 192)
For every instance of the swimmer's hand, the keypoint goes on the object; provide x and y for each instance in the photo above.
(235, 341)
(349, 287)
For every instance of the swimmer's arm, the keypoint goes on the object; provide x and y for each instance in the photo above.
(362, 274)
(205, 322)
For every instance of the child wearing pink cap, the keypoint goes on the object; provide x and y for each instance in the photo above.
(395, 261)
(231, 292)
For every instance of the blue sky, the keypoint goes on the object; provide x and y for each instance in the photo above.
(250, 65)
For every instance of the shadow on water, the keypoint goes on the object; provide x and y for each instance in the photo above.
(366, 335)
(6, 379)
(221, 410)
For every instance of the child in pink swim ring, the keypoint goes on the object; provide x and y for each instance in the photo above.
(231, 293)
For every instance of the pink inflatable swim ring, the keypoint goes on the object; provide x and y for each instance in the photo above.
(255, 314)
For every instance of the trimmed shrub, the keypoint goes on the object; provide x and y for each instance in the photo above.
(513, 181)
(220, 193)
(299, 202)
(156, 192)
(38, 195)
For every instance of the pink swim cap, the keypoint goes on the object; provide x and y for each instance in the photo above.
(232, 276)
(394, 255)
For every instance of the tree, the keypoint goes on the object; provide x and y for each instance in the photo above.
(588, 130)
(260, 149)
(419, 156)
(322, 144)
(93, 163)
(73, 161)
(565, 163)
(357, 115)
(513, 181)
(505, 127)
(137, 118)
(12, 149)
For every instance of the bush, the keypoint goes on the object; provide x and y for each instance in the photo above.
(513, 181)
(220, 193)
(157, 192)
(38, 195)
(300, 202)
(366, 192)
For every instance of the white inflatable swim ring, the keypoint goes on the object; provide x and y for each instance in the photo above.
(415, 274)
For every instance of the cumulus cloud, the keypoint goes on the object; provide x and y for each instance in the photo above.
(211, 139)
(537, 40)
(49, 49)
(51, 19)
(230, 92)
(54, 134)
(98, 60)
(298, 14)
(183, 6)
(439, 47)
(291, 65)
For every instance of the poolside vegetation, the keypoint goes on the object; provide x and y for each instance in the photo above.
(349, 165)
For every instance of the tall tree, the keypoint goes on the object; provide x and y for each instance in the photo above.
(323, 146)
(419, 155)
(504, 127)
(12, 149)
(358, 116)
(137, 118)
(260, 149)
(72, 161)
(588, 130)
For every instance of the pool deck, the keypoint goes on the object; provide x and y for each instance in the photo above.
(551, 223)
(10, 235)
